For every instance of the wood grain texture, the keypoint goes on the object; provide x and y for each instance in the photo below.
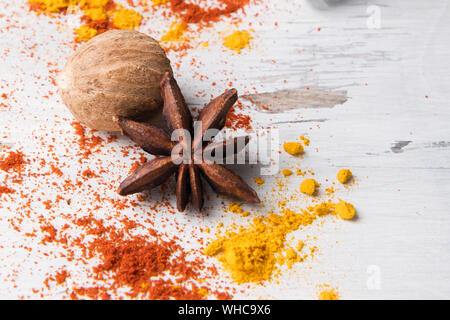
(391, 128)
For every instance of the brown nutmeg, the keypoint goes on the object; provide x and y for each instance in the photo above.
(117, 73)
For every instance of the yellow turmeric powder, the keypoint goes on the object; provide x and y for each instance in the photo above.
(344, 175)
(259, 180)
(293, 148)
(328, 294)
(236, 208)
(93, 3)
(309, 186)
(54, 6)
(95, 10)
(251, 254)
(176, 32)
(158, 2)
(290, 257)
(345, 210)
(286, 172)
(238, 40)
(84, 33)
(96, 14)
(305, 140)
(126, 19)
(321, 209)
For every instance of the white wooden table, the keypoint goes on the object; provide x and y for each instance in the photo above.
(375, 100)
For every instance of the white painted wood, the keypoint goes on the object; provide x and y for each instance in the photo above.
(393, 132)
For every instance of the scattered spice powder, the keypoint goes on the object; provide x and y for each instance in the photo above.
(253, 253)
(14, 161)
(194, 13)
(238, 40)
(126, 19)
(102, 15)
(176, 32)
(237, 120)
(236, 208)
(88, 142)
(328, 294)
(85, 33)
(309, 186)
(305, 140)
(99, 15)
(159, 2)
(61, 276)
(139, 264)
(345, 210)
(6, 190)
(293, 148)
(344, 176)
(286, 172)
(259, 180)
(256, 253)
(134, 262)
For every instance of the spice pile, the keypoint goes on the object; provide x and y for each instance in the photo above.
(63, 219)
(99, 16)
(110, 251)
(105, 254)
(255, 253)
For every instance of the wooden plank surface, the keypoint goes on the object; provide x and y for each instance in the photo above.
(372, 100)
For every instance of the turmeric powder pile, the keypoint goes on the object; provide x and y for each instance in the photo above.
(252, 254)
(328, 294)
(309, 186)
(344, 176)
(176, 32)
(98, 15)
(293, 148)
(256, 253)
(238, 40)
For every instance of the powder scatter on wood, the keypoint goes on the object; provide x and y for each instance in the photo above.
(238, 40)
(99, 16)
(6, 190)
(116, 253)
(237, 120)
(328, 294)
(252, 254)
(258, 252)
(14, 161)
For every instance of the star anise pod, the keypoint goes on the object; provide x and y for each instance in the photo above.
(158, 142)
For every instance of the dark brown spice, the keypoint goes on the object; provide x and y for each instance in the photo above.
(158, 142)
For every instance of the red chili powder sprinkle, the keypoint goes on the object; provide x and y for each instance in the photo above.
(87, 143)
(56, 170)
(141, 265)
(121, 255)
(6, 190)
(14, 161)
(88, 173)
(237, 120)
(193, 13)
(61, 276)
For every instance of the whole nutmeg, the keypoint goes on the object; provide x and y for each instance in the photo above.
(117, 73)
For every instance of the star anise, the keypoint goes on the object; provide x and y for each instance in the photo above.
(158, 142)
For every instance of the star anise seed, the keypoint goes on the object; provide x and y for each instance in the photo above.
(158, 142)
